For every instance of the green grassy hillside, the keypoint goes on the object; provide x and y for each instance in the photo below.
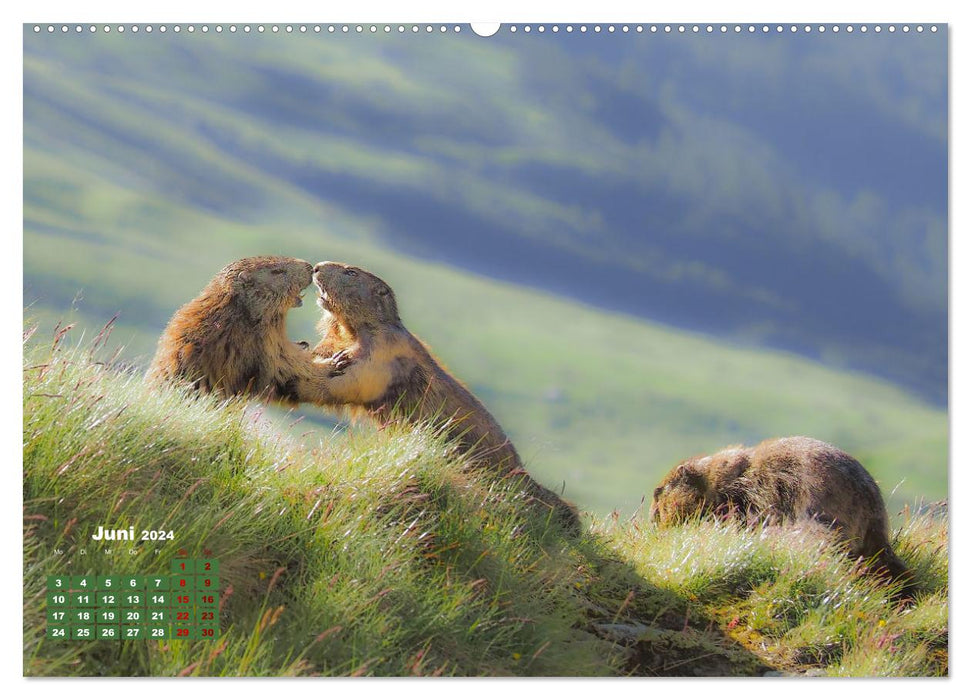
(379, 553)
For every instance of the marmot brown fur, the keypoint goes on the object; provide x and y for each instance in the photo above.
(783, 480)
(392, 375)
(232, 338)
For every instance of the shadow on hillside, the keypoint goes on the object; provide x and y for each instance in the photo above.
(660, 632)
(644, 630)
(655, 632)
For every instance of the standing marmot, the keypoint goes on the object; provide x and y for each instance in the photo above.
(392, 374)
(785, 479)
(232, 338)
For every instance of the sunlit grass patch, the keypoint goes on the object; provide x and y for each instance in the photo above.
(792, 595)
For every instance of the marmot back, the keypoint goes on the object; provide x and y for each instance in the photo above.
(232, 338)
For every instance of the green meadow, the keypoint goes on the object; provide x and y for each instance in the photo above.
(384, 554)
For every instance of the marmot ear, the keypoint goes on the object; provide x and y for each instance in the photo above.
(384, 291)
(243, 276)
(692, 477)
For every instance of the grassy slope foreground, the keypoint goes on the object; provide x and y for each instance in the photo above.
(379, 554)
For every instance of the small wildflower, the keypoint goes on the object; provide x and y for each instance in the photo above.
(882, 623)
(516, 655)
(262, 575)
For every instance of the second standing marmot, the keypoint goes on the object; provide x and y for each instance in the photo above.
(391, 374)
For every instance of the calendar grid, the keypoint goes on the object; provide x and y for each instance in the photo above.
(180, 604)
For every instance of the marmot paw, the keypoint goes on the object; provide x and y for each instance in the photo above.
(341, 361)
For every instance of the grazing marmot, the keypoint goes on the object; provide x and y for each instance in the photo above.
(232, 338)
(393, 375)
(785, 479)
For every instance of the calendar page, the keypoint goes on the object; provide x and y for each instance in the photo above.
(182, 603)
(547, 349)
